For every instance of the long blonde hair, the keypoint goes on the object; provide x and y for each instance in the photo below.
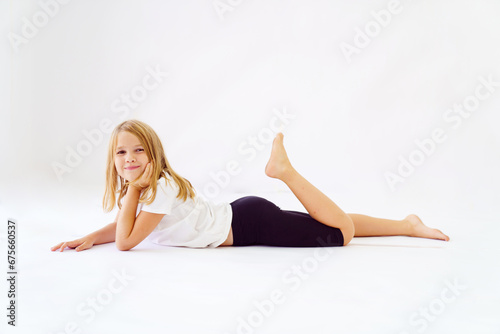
(159, 163)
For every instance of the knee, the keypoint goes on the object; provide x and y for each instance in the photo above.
(348, 230)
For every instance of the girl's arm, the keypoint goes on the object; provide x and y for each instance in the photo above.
(101, 236)
(125, 222)
(104, 235)
(130, 231)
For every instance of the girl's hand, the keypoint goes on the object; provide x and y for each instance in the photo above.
(145, 178)
(80, 244)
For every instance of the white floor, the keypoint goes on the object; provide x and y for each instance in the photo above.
(374, 285)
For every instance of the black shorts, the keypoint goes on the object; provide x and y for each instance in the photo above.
(257, 221)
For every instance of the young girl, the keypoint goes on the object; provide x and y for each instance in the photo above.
(157, 203)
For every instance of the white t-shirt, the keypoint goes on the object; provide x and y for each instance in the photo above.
(197, 222)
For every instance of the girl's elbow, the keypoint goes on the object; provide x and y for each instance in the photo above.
(122, 246)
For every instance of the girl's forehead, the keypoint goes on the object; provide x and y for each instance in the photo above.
(125, 138)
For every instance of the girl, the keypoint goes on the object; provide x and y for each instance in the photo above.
(157, 203)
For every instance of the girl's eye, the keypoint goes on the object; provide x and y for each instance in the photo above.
(139, 149)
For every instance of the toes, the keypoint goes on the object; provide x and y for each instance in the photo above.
(443, 236)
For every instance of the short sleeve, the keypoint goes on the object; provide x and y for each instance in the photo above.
(164, 200)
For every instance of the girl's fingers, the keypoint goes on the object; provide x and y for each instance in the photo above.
(63, 246)
(74, 243)
(81, 247)
(84, 246)
(56, 246)
(146, 176)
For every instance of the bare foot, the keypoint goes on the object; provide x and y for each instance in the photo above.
(422, 231)
(278, 165)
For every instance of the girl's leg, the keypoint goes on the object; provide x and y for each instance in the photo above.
(324, 210)
(317, 204)
(412, 226)
(367, 226)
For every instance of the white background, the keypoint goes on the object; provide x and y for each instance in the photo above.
(225, 78)
(228, 73)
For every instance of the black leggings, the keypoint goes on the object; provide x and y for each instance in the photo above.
(257, 221)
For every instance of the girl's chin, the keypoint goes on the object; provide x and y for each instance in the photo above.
(131, 174)
(127, 179)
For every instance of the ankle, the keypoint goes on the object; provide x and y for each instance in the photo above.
(289, 175)
(410, 228)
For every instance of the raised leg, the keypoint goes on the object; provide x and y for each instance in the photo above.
(324, 210)
(317, 204)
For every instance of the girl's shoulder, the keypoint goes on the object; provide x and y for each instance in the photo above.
(167, 184)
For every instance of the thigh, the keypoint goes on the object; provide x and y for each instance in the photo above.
(298, 229)
(257, 221)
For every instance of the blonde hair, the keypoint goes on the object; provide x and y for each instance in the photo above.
(159, 164)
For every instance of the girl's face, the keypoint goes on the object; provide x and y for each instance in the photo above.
(130, 157)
